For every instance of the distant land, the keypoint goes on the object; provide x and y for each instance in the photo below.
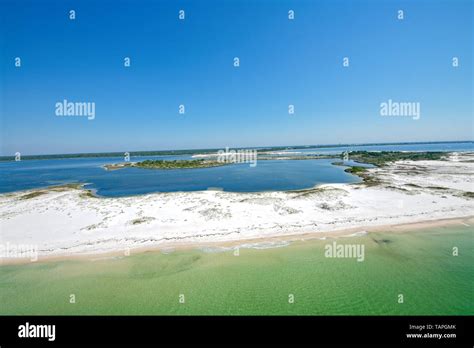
(213, 150)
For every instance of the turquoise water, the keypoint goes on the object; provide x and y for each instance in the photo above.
(417, 264)
(266, 176)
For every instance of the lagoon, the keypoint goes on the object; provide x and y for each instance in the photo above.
(268, 175)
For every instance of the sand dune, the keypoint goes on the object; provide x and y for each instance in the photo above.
(65, 221)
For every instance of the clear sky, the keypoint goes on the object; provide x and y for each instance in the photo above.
(190, 62)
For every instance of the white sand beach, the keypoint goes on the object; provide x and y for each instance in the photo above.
(70, 221)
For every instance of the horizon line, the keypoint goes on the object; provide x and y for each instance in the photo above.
(247, 147)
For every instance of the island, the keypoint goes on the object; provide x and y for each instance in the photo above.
(161, 164)
(377, 159)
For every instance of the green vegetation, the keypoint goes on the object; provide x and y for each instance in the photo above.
(381, 158)
(361, 172)
(57, 188)
(119, 165)
(314, 191)
(33, 194)
(356, 170)
(142, 220)
(161, 164)
(88, 194)
(180, 164)
(65, 187)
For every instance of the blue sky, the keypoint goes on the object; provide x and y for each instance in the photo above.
(190, 62)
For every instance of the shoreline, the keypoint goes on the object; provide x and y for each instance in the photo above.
(142, 153)
(420, 226)
(120, 165)
(70, 220)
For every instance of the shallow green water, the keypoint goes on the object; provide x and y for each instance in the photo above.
(418, 265)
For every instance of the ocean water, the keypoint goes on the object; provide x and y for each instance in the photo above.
(444, 147)
(417, 264)
(266, 176)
